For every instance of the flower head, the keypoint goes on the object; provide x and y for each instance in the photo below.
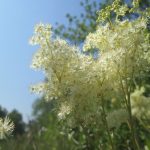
(6, 127)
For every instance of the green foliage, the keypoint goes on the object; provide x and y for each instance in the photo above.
(18, 121)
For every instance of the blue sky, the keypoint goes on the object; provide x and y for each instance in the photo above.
(17, 20)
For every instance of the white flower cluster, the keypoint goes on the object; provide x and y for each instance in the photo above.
(64, 111)
(124, 48)
(6, 127)
(42, 34)
(68, 73)
(80, 83)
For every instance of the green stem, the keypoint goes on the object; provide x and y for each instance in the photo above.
(131, 124)
(107, 128)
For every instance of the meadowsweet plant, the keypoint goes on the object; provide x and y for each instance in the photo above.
(6, 127)
(91, 91)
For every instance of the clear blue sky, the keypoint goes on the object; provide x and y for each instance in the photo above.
(17, 20)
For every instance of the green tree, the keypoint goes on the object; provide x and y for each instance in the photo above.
(79, 27)
(3, 112)
(16, 117)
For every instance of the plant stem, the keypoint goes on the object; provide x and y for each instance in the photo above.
(107, 128)
(131, 123)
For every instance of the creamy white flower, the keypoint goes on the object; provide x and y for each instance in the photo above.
(6, 127)
(65, 110)
(80, 82)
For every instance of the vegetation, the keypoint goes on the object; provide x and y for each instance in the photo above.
(95, 97)
(106, 93)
